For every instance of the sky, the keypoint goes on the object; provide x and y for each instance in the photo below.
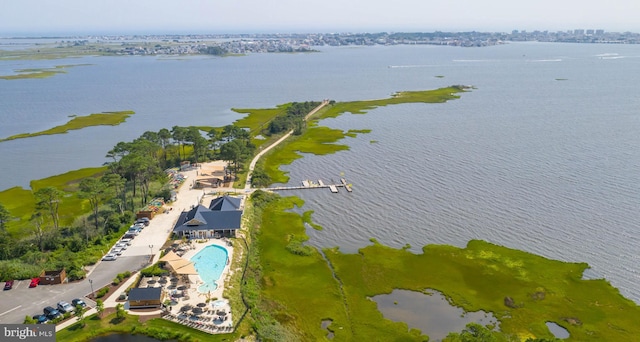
(79, 17)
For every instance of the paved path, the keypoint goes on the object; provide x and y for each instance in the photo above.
(247, 185)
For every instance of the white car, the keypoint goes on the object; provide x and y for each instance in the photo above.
(110, 257)
(64, 307)
(126, 241)
(116, 251)
(121, 245)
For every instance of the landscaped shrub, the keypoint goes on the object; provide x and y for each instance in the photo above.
(153, 270)
(102, 292)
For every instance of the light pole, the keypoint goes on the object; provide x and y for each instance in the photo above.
(91, 284)
(150, 253)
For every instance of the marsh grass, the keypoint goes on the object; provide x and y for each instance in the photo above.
(301, 291)
(321, 140)
(79, 122)
(39, 72)
(21, 202)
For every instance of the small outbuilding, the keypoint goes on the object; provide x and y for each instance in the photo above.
(53, 277)
(142, 298)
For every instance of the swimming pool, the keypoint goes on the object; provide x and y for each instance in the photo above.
(210, 263)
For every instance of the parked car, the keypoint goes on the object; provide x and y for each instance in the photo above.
(77, 302)
(51, 313)
(116, 251)
(40, 319)
(64, 307)
(139, 225)
(8, 285)
(34, 282)
(126, 241)
(143, 220)
(129, 236)
(110, 257)
(121, 245)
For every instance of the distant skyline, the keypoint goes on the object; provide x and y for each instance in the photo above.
(76, 17)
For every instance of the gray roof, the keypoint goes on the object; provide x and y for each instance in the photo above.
(225, 203)
(202, 218)
(148, 293)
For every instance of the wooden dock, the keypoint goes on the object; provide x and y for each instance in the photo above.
(346, 186)
(308, 184)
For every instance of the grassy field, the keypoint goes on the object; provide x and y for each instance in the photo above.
(80, 122)
(158, 328)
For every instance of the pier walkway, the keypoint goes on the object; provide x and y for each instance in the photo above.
(307, 184)
(252, 165)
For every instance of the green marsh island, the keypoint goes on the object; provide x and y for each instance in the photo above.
(39, 72)
(80, 122)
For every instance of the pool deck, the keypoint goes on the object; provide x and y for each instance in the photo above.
(217, 317)
(195, 279)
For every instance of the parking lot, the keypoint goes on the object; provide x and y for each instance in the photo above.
(23, 301)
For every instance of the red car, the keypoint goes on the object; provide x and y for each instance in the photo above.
(34, 282)
(8, 285)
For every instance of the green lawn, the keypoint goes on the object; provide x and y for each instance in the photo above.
(157, 328)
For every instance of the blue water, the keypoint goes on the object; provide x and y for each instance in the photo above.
(525, 160)
(210, 262)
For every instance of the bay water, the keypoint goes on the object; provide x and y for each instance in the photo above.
(541, 156)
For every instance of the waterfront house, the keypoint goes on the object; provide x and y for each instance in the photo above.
(222, 218)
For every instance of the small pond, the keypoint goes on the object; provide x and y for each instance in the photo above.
(325, 325)
(431, 313)
(124, 338)
(557, 330)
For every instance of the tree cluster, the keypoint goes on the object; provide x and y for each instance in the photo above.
(293, 119)
(213, 50)
(135, 174)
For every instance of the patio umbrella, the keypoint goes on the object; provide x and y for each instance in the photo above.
(201, 305)
(186, 308)
(197, 311)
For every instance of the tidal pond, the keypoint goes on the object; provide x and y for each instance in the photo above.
(557, 330)
(430, 312)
